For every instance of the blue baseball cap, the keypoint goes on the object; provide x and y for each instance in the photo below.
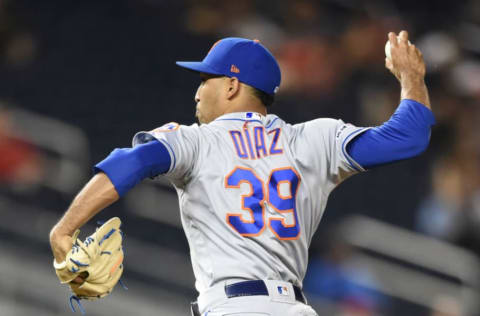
(248, 60)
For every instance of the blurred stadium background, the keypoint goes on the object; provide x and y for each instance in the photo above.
(79, 78)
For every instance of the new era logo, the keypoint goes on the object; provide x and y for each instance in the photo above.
(234, 69)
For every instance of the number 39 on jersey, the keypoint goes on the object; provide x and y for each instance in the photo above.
(260, 194)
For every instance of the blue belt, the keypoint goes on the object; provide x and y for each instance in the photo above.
(256, 287)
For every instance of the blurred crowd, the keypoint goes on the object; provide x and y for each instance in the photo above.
(20, 164)
(332, 59)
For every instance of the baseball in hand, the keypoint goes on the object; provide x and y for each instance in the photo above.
(388, 47)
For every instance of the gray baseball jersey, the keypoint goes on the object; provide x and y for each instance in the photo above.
(252, 190)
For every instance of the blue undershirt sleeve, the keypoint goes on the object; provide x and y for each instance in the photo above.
(126, 167)
(405, 135)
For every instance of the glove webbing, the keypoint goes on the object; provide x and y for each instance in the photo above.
(75, 298)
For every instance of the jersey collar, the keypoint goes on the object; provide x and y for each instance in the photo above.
(267, 121)
(245, 116)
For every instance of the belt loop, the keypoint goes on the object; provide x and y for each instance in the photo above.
(299, 296)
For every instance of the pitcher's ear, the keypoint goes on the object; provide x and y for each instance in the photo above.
(233, 86)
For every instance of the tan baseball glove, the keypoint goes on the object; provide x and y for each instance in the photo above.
(98, 260)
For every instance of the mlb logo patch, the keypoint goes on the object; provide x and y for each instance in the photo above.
(249, 114)
(282, 290)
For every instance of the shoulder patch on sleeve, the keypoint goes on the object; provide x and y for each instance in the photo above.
(169, 127)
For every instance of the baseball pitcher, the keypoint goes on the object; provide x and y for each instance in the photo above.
(252, 188)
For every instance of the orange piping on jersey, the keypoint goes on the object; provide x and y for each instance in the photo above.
(273, 146)
(261, 202)
(259, 138)
(237, 145)
(282, 220)
(162, 129)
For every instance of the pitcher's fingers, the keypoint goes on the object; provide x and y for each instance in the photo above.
(392, 37)
(403, 37)
(418, 52)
